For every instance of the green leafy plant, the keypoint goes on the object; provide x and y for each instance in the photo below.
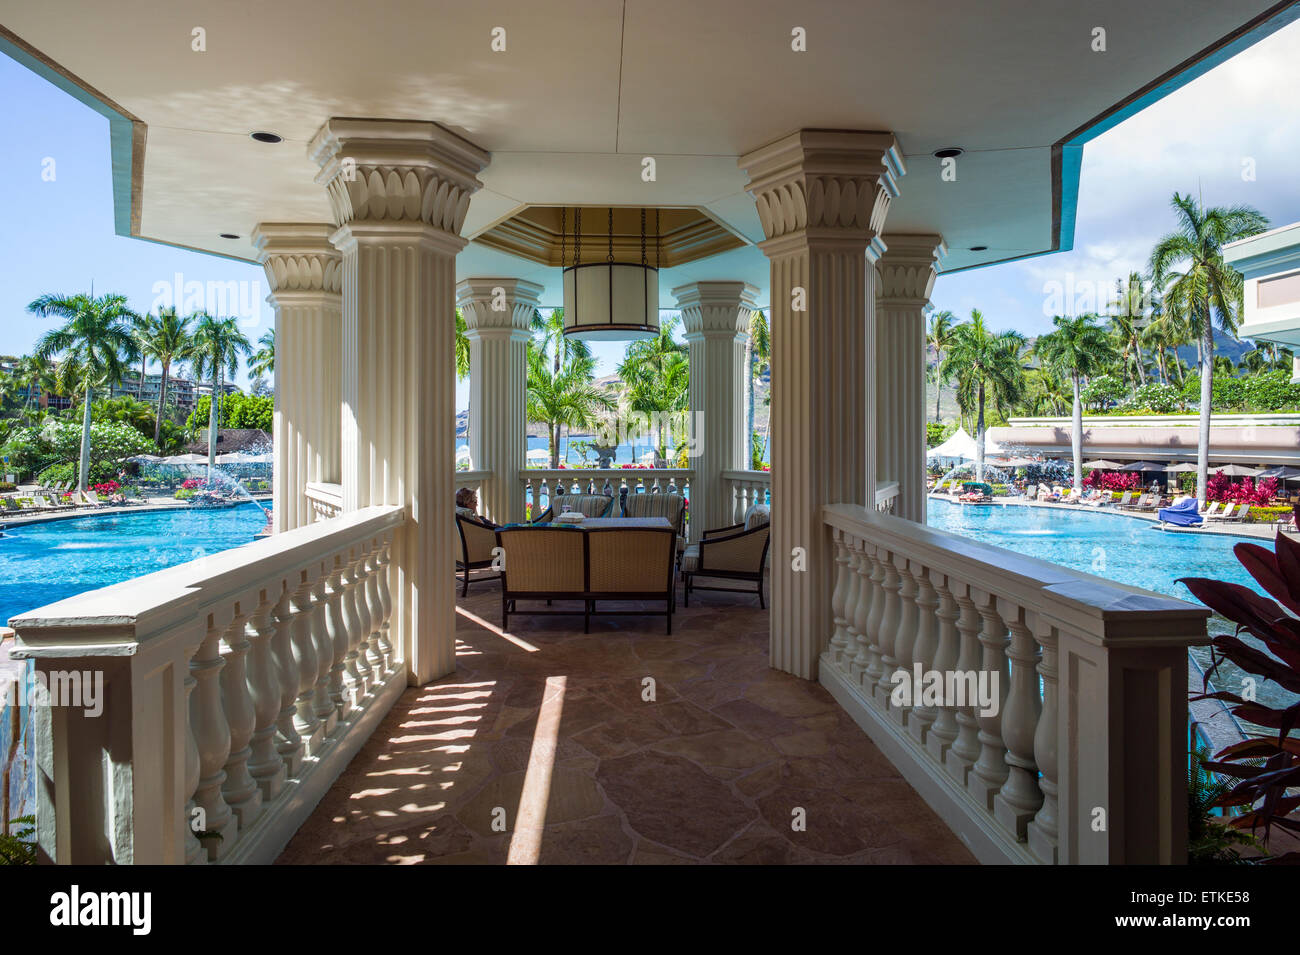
(1210, 840)
(19, 847)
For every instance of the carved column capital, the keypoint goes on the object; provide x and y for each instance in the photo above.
(298, 258)
(498, 305)
(716, 308)
(390, 173)
(822, 183)
(907, 268)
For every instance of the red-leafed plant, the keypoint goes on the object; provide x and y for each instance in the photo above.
(1113, 480)
(1219, 487)
(1263, 768)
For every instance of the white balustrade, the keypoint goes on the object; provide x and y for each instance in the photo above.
(743, 489)
(541, 485)
(233, 696)
(1069, 746)
(886, 495)
(325, 500)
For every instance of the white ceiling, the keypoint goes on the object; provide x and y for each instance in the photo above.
(582, 94)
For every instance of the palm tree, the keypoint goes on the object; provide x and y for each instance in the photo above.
(462, 346)
(550, 337)
(141, 327)
(1202, 290)
(939, 337)
(986, 366)
(758, 352)
(263, 360)
(655, 378)
(1079, 348)
(218, 346)
(1128, 318)
(169, 340)
(564, 399)
(95, 336)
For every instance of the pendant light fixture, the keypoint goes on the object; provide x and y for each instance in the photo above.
(610, 300)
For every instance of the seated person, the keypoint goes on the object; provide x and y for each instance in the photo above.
(467, 506)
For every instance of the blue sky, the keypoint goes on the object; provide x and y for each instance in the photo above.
(58, 236)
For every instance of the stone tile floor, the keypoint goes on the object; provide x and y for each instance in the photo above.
(541, 748)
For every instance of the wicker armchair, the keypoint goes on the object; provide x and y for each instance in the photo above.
(478, 538)
(591, 505)
(655, 504)
(738, 552)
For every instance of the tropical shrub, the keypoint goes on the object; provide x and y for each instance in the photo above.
(106, 487)
(1263, 768)
(19, 846)
(1271, 391)
(1113, 480)
(235, 411)
(1157, 398)
(1219, 487)
(1103, 391)
(184, 493)
(6, 487)
(1267, 515)
(67, 472)
(1227, 392)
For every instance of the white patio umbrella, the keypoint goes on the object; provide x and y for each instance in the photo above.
(538, 455)
(234, 457)
(1183, 468)
(186, 459)
(144, 459)
(1104, 464)
(961, 446)
(265, 457)
(1234, 470)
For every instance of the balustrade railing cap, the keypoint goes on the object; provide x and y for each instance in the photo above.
(1101, 611)
(141, 608)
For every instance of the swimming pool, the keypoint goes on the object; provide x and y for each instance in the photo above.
(1124, 549)
(44, 562)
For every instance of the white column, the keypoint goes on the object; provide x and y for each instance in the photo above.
(905, 276)
(716, 318)
(399, 191)
(821, 196)
(498, 315)
(305, 276)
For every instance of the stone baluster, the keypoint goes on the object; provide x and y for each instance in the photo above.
(867, 603)
(370, 596)
(924, 649)
(853, 596)
(212, 735)
(239, 789)
(384, 578)
(1015, 804)
(1043, 829)
(840, 640)
(944, 729)
(367, 574)
(264, 763)
(879, 602)
(304, 658)
(886, 661)
(965, 748)
(904, 637)
(358, 665)
(342, 686)
(289, 742)
(194, 852)
(990, 770)
(322, 701)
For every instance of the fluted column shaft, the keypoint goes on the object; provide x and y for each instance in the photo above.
(399, 191)
(905, 277)
(305, 276)
(822, 197)
(498, 313)
(716, 318)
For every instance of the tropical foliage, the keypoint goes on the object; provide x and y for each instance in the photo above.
(988, 370)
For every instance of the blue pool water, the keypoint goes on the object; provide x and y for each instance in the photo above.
(42, 563)
(1125, 549)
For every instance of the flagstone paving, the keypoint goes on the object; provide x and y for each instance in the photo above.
(716, 768)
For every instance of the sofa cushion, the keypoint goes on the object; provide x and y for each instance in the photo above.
(691, 558)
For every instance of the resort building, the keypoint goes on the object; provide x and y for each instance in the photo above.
(823, 161)
(1270, 265)
(182, 392)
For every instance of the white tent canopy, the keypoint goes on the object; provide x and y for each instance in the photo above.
(961, 447)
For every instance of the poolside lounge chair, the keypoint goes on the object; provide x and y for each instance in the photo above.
(1211, 510)
(1240, 516)
(1124, 499)
(91, 499)
(1183, 514)
(1226, 514)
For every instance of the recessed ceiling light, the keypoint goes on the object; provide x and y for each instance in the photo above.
(979, 248)
(229, 235)
(262, 137)
(948, 152)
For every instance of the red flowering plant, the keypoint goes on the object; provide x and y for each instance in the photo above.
(1261, 769)
(106, 487)
(1220, 488)
(1113, 480)
(192, 484)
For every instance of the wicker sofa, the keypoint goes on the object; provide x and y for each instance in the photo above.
(737, 552)
(555, 563)
(659, 504)
(591, 505)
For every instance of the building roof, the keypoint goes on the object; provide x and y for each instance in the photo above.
(1019, 85)
(252, 440)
